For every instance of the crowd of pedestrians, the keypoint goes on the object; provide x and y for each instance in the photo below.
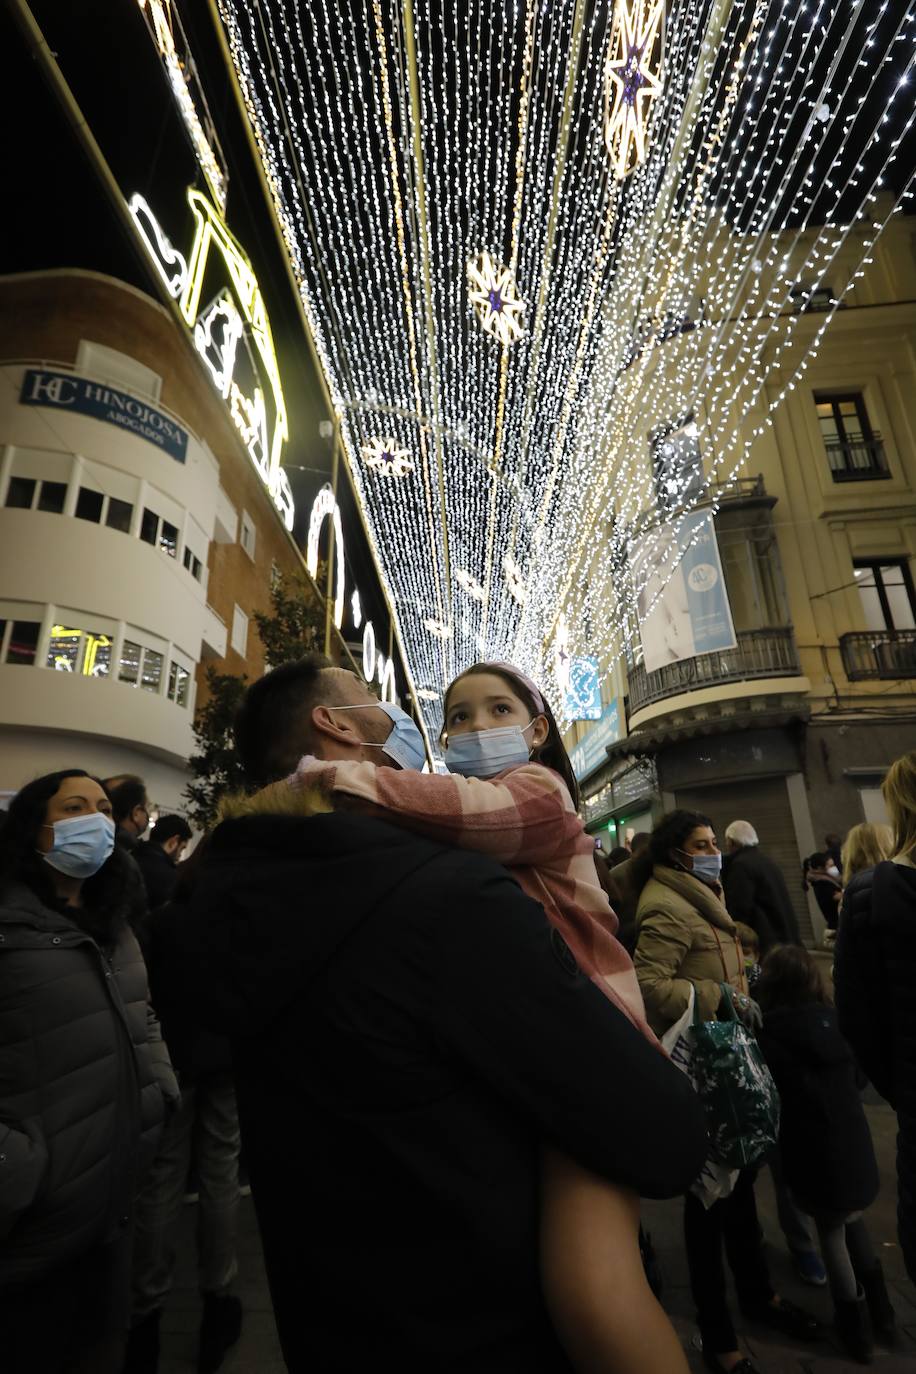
(457, 1045)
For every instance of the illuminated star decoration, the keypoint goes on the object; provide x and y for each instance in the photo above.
(437, 628)
(384, 456)
(470, 585)
(630, 83)
(494, 296)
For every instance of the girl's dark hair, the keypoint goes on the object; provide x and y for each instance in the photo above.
(790, 977)
(671, 832)
(551, 753)
(104, 895)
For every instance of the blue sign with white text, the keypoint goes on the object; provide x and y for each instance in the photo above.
(591, 752)
(64, 391)
(701, 569)
(583, 695)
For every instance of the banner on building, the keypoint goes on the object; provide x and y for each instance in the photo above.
(591, 751)
(683, 607)
(583, 689)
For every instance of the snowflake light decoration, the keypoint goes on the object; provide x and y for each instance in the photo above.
(515, 582)
(630, 83)
(386, 457)
(495, 297)
(470, 585)
(438, 628)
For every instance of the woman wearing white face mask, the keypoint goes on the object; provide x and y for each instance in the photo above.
(686, 939)
(823, 877)
(81, 1080)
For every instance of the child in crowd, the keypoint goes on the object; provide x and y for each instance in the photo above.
(511, 794)
(750, 947)
(828, 1160)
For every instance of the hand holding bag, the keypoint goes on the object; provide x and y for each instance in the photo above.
(737, 1088)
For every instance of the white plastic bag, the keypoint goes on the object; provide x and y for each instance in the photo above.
(715, 1181)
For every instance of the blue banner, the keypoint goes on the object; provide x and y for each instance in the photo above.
(682, 606)
(64, 391)
(701, 568)
(591, 752)
(583, 695)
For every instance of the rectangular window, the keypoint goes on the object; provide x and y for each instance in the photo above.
(168, 539)
(21, 493)
(23, 641)
(79, 651)
(149, 526)
(52, 497)
(151, 675)
(886, 592)
(247, 534)
(677, 463)
(192, 563)
(119, 515)
(855, 451)
(129, 670)
(179, 681)
(89, 505)
(239, 631)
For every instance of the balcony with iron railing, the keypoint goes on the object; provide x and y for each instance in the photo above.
(879, 654)
(857, 459)
(758, 654)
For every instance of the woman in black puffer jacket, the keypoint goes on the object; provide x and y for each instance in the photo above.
(83, 1072)
(874, 982)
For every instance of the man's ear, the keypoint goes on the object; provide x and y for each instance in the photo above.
(336, 732)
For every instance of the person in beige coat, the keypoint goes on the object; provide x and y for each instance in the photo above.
(685, 938)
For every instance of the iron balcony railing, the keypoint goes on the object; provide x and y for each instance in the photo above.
(758, 654)
(879, 654)
(858, 459)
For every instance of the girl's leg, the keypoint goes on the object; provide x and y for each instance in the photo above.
(840, 1273)
(703, 1239)
(861, 1250)
(594, 1283)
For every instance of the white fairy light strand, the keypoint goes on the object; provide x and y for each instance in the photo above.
(368, 126)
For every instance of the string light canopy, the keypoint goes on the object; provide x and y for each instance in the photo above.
(529, 239)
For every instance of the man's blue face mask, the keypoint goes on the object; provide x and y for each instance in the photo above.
(404, 746)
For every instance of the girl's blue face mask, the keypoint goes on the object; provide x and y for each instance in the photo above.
(81, 844)
(484, 753)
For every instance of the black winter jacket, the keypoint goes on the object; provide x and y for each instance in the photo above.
(408, 1032)
(756, 893)
(828, 1159)
(160, 874)
(82, 1075)
(875, 990)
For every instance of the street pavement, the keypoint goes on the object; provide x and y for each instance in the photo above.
(258, 1352)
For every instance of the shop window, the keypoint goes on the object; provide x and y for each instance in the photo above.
(21, 493)
(119, 515)
(22, 641)
(886, 592)
(855, 451)
(168, 539)
(151, 676)
(79, 651)
(149, 526)
(179, 684)
(193, 564)
(239, 631)
(52, 497)
(89, 505)
(247, 534)
(129, 667)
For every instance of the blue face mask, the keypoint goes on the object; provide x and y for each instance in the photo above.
(484, 753)
(81, 844)
(404, 746)
(707, 866)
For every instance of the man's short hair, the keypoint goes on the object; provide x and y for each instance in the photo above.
(167, 828)
(639, 841)
(125, 793)
(273, 726)
(743, 833)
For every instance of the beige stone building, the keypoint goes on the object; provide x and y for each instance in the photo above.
(794, 728)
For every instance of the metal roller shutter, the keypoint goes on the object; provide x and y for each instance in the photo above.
(763, 802)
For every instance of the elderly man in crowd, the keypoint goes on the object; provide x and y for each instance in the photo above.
(755, 889)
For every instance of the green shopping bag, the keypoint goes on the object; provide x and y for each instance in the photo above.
(737, 1088)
